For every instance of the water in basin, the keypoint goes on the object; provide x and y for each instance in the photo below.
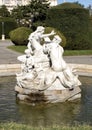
(45, 115)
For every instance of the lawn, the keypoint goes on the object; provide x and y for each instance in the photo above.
(21, 49)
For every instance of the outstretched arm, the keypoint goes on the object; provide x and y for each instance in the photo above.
(47, 35)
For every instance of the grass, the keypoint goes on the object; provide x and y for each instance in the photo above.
(15, 126)
(21, 49)
(77, 52)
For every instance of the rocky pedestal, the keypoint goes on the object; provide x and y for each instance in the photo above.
(47, 96)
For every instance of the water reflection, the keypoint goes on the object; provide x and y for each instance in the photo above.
(85, 114)
(50, 114)
(44, 115)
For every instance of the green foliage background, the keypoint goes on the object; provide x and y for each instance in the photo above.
(70, 19)
(9, 24)
(20, 35)
(73, 21)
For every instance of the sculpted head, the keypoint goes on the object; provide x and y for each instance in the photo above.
(40, 29)
(57, 39)
(27, 52)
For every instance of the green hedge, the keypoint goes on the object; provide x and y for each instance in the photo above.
(68, 5)
(9, 24)
(73, 22)
(90, 30)
(20, 35)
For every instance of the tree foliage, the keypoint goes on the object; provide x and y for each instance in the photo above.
(35, 11)
(73, 22)
(4, 11)
(9, 24)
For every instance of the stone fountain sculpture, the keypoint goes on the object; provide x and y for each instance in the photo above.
(45, 76)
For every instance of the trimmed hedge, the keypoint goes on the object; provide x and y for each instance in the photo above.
(73, 22)
(9, 25)
(90, 30)
(20, 35)
(67, 5)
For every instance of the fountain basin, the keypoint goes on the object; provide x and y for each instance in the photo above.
(68, 113)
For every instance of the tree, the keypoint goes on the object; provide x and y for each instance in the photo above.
(18, 14)
(35, 11)
(39, 8)
(4, 11)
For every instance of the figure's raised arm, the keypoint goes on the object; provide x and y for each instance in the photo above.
(47, 35)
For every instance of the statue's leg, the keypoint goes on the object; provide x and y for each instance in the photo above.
(50, 78)
(64, 81)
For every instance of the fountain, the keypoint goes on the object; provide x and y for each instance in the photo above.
(45, 76)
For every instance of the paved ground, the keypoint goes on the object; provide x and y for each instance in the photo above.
(79, 59)
(8, 56)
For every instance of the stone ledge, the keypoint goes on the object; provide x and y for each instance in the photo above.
(82, 69)
(9, 69)
(12, 69)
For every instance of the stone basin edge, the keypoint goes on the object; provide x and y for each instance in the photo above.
(12, 69)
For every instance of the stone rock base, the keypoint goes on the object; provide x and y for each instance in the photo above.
(47, 96)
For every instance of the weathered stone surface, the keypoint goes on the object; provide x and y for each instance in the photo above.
(48, 96)
(45, 76)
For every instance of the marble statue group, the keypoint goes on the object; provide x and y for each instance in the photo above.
(45, 72)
